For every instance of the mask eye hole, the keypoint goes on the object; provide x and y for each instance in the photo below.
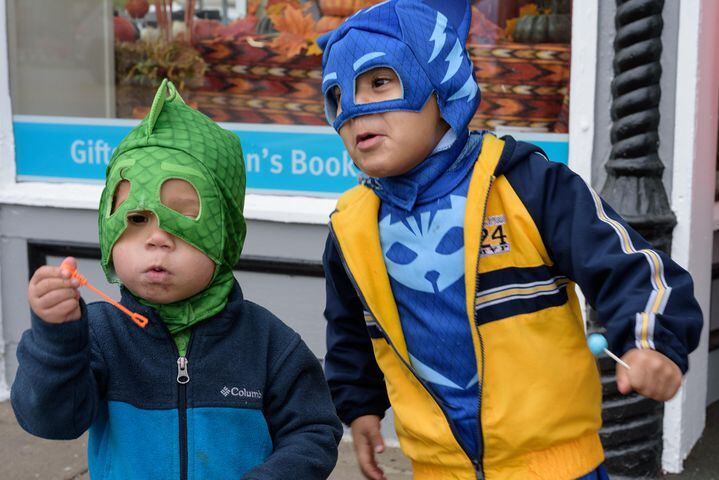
(378, 85)
(180, 196)
(122, 191)
(138, 218)
(451, 242)
(332, 103)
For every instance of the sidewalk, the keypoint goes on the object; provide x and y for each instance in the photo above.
(24, 457)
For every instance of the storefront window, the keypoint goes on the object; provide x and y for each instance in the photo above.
(255, 64)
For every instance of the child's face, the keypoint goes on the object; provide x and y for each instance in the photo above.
(390, 143)
(154, 264)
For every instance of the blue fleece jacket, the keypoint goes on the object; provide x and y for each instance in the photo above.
(250, 402)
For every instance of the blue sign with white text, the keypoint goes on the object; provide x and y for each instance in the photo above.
(279, 159)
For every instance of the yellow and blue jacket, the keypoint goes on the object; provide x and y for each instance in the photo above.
(539, 405)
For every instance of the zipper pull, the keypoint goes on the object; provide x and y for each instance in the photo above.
(478, 470)
(182, 376)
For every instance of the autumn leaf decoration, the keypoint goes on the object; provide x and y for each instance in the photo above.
(298, 32)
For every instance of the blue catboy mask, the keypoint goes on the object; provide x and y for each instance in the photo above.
(423, 41)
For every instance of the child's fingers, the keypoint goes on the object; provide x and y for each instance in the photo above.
(365, 448)
(49, 284)
(367, 462)
(56, 297)
(69, 309)
(377, 441)
(652, 375)
(69, 265)
(666, 380)
(46, 271)
(367, 437)
(53, 294)
(43, 280)
(624, 384)
(63, 311)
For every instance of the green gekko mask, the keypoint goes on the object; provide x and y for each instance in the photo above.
(175, 141)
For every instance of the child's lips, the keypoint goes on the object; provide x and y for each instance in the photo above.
(369, 141)
(157, 275)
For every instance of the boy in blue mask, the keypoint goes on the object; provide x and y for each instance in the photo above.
(451, 270)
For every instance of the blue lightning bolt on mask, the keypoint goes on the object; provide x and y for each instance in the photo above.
(422, 41)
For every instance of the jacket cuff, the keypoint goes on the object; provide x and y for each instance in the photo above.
(61, 338)
(680, 360)
(348, 417)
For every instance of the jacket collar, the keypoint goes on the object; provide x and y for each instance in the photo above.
(216, 325)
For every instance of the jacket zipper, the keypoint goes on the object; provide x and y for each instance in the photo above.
(480, 452)
(409, 367)
(183, 377)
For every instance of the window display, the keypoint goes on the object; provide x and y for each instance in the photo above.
(256, 66)
(266, 66)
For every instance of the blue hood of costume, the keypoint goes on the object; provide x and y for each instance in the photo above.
(422, 41)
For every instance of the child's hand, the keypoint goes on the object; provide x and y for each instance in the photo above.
(368, 441)
(53, 295)
(652, 375)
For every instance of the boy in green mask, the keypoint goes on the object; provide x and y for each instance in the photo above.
(214, 386)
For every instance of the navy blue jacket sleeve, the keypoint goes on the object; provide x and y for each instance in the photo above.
(304, 427)
(59, 379)
(356, 382)
(643, 298)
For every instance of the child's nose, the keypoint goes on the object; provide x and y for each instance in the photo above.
(159, 238)
(362, 98)
(363, 95)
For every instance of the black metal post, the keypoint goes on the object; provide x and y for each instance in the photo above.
(632, 432)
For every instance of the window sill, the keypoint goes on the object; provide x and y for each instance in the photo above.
(272, 208)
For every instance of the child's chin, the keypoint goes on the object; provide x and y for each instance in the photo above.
(376, 169)
(156, 294)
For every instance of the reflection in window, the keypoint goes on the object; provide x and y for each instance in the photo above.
(60, 55)
(257, 61)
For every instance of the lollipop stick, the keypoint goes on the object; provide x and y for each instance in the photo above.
(617, 359)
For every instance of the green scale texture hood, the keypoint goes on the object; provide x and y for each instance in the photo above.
(175, 141)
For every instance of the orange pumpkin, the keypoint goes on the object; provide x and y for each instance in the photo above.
(137, 8)
(337, 8)
(125, 31)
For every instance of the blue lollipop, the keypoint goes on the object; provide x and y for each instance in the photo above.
(598, 345)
